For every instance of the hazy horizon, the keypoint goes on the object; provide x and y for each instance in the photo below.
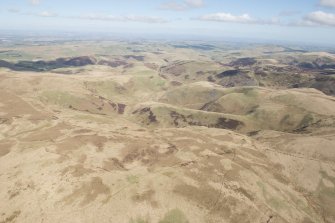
(308, 22)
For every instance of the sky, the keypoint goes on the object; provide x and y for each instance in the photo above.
(305, 21)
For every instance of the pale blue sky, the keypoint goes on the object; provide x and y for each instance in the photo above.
(295, 20)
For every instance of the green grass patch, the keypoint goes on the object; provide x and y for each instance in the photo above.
(174, 216)
(132, 179)
(59, 98)
(138, 220)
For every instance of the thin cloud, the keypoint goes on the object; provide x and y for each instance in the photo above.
(35, 2)
(182, 6)
(327, 3)
(127, 18)
(194, 3)
(227, 17)
(288, 13)
(47, 14)
(14, 10)
(319, 18)
(244, 19)
(40, 14)
(174, 6)
(97, 17)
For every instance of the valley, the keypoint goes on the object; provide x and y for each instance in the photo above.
(166, 132)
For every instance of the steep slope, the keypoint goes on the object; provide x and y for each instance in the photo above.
(260, 108)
